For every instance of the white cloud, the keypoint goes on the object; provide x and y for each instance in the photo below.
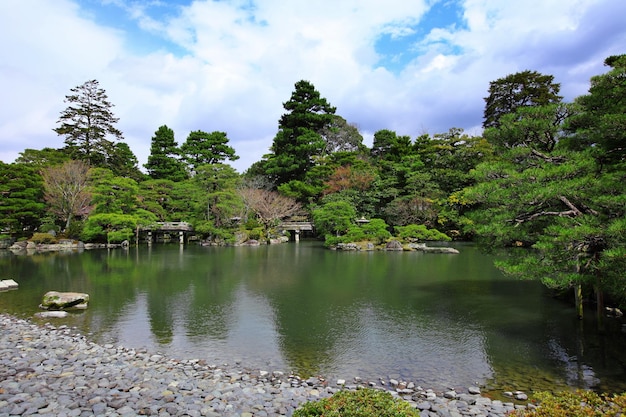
(229, 65)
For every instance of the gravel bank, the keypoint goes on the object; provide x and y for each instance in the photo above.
(52, 371)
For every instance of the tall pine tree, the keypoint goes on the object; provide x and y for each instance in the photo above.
(299, 138)
(88, 124)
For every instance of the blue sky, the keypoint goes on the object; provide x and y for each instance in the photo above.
(413, 66)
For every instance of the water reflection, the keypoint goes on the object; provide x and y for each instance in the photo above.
(437, 320)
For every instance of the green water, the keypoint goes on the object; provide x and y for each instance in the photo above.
(437, 320)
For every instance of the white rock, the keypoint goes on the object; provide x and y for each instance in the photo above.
(51, 314)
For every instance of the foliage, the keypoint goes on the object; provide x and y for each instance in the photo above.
(411, 209)
(365, 402)
(22, 202)
(346, 177)
(375, 230)
(576, 404)
(42, 157)
(202, 148)
(207, 229)
(43, 238)
(157, 197)
(558, 195)
(114, 227)
(340, 136)
(87, 123)
(299, 141)
(522, 89)
(334, 218)
(538, 126)
(601, 121)
(419, 233)
(389, 146)
(66, 190)
(219, 199)
(163, 162)
(123, 162)
(112, 194)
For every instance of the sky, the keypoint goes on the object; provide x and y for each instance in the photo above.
(412, 66)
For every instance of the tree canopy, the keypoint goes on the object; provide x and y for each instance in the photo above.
(163, 161)
(522, 89)
(202, 148)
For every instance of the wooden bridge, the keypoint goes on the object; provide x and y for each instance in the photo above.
(166, 229)
(296, 227)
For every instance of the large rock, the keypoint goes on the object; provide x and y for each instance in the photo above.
(8, 284)
(54, 300)
(394, 245)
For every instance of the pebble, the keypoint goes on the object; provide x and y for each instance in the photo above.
(54, 371)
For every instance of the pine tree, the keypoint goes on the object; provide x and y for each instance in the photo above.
(163, 162)
(299, 138)
(88, 123)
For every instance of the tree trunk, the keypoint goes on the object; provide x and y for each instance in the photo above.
(67, 223)
(578, 297)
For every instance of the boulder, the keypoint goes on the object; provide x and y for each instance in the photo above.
(394, 245)
(54, 300)
(8, 284)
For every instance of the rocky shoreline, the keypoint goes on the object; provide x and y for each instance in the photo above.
(54, 371)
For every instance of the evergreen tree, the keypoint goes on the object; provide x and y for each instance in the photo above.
(88, 123)
(601, 120)
(123, 162)
(163, 162)
(522, 89)
(387, 145)
(556, 199)
(299, 141)
(202, 148)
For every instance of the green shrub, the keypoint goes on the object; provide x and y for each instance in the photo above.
(361, 403)
(256, 233)
(43, 238)
(576, 404)
(419, 232)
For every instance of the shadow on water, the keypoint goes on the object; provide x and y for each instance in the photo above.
(436, 320)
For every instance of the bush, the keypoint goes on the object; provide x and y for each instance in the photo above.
(419, 232)
(576, 404)
(365, 402)
(43, 238)
(256, 233)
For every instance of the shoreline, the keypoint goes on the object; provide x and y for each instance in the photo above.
(55, 371)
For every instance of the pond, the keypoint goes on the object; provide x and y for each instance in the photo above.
(438, 320)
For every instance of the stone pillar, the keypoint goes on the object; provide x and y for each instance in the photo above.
(297, 235)
(149, 237)
(181, 237)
